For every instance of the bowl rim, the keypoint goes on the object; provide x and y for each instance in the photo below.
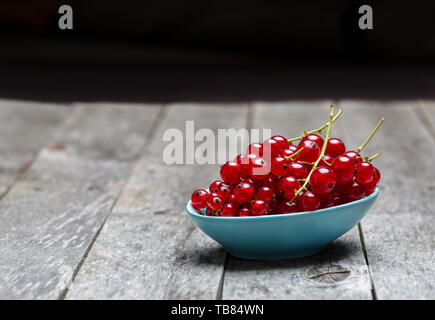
(191, 211)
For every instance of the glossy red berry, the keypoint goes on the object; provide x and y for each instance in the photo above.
(311, 151)
(376, 176)
(315, 138)
(297, 170)
(244, 212)
(214, 187)
(326, 161)
(244, 192)
(282, 142)
(285, 207)
(288, 186)
(265, 193)
(229, 210)
(255, 148)
(293, 148)
(287, 153)
(354, 156)
(335, 147)
(271, 148)
(323, 180)
(364, 172)
(354, 191)
(344, 169)
(309, 202)
(214, 201)
(369, 188)
(246, 161)
(326, 201)
(279, 166)
(260, 169)
(258, 208)
(199, 199)
(224, 191)
(231, 172)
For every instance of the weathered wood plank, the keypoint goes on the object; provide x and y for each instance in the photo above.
(149, 248)
(338, 272)
(399, 230)
(52, 214)
(25, 128)
(426, 111)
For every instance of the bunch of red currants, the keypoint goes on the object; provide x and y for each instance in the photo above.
(279, 177)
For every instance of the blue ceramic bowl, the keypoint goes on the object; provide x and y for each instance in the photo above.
(282, 236)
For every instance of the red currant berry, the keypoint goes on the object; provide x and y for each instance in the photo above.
(271, 148)
(326, 201)
(260, 169)
(293, 148)
(279, 166)
(246, 161)
(364, 172)
(309, 202)
(335, 147)
(323, 180)
(283, 143)
(354, 156)
(231, 199)
(258, 208)
(215, 202)
(231, 172)
(297, 170)
(229, 210)
(288, 186)
(287, 153)
(224, 191)
(199, 199)
(369, 188)
(354, 191)
(255, 148)
(326, 161)
(244, 212)
(311, 151)
(214, 187)
(338, 200)
(344, 169)
(273, 182)
(376, 176)
(265, 193)
(244, 192)
(285, 207)
(315, 138)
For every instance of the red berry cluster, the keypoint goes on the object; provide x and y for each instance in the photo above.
(278, 177)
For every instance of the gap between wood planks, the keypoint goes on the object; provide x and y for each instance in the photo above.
(249, 123)
(150, 135)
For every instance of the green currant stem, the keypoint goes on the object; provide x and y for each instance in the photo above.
(370, 136)
(318, 130)
(368, 159)
(294, 154)
(322, 153)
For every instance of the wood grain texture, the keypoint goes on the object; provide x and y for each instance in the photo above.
(25, 128)
(52, 214)
(149, 248)
(426, 111)
(338, 272)
(399, 229)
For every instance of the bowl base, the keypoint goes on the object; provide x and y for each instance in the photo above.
(274, 255)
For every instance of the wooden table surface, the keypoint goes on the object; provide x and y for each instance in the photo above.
(88, 209)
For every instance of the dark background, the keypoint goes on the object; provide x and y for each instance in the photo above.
(199, 50)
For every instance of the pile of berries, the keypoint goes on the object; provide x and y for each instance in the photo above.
(280, 177)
